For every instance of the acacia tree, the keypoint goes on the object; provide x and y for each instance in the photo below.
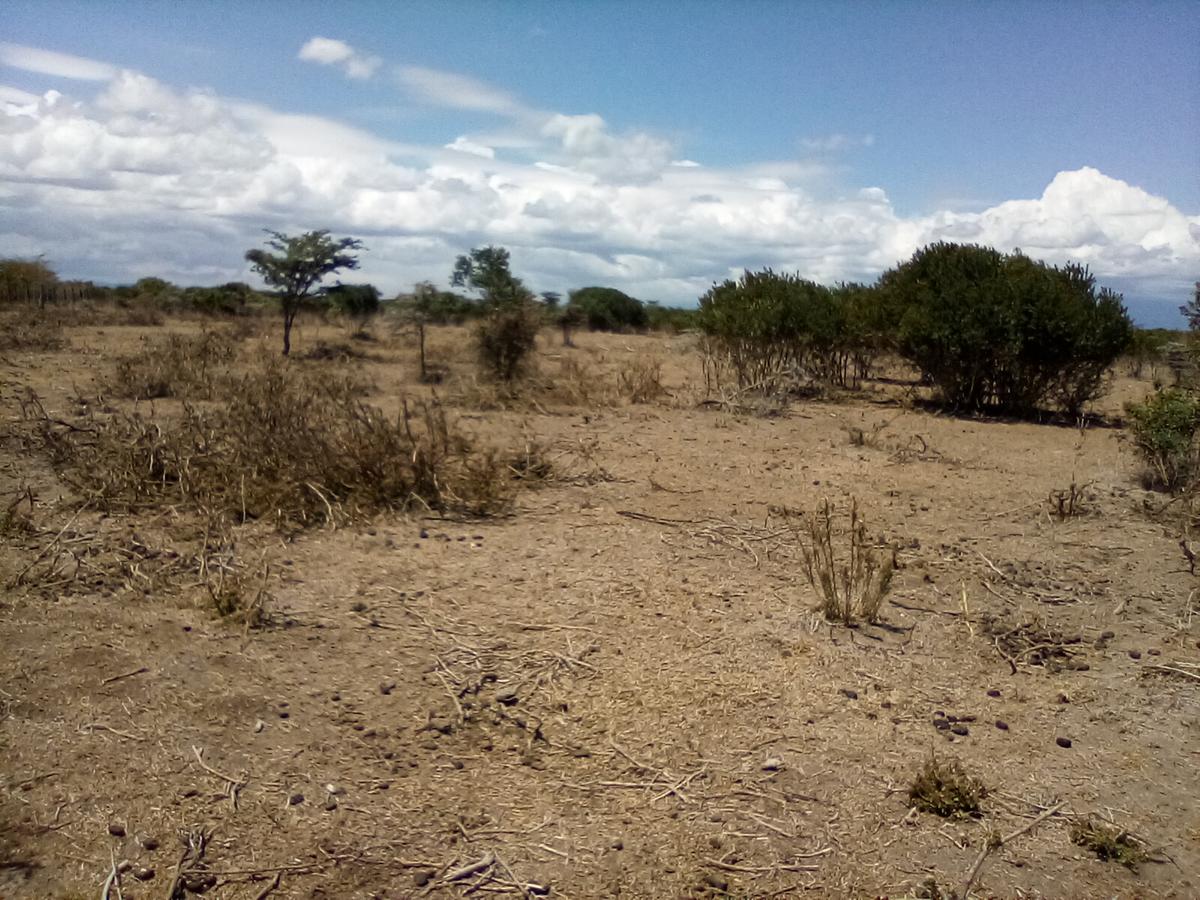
(295, 265)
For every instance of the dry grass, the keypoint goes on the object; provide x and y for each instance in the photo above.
(640, 380)
(946, 790)
(294, 448)
(1109, 843)
(851, 581)
(174, 366)
(27, 331)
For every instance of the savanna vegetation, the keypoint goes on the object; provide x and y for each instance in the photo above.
(477, 588)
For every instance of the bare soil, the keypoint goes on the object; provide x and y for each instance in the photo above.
(622, 689)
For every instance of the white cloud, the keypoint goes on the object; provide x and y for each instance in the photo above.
(450, 89)
(331, 52)
(148, 179)
(47, 62)
(836, 143)
(464, 144)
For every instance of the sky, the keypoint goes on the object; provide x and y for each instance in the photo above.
(655, 147)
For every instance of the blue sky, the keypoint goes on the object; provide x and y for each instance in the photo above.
(830, 138)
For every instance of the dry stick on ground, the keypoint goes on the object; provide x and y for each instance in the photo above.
(266, 891)
(234, 785)
(996, 843)
(129, 674)
(1176, 671)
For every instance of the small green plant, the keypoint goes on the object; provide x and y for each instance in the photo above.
(1109, 843)
(851, 583)
(1164, 428)
(945, 789)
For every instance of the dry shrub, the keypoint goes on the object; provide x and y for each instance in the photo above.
(578, 384)
(337, 351)
(851, 582)
(945, 789)
(640, 380)
(1109, 842)
(291, 447)
(29, 332)
(174, 366)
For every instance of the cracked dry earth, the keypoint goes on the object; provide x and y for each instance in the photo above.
(622, 690)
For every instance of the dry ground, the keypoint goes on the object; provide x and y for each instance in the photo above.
(621, 690)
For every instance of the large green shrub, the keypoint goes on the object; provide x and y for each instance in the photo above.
(773, 328)
(1003, 332)
(1164, 428)
(607, 309)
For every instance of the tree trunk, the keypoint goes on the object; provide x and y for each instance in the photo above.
(288, 316)
(421, 339)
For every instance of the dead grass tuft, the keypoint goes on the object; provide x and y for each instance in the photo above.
(1109, 843)
(851, 581)
(287, 446)
(945, 789)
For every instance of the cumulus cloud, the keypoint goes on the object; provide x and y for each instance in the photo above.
(144, 178)
(331, 52)
(47, 62)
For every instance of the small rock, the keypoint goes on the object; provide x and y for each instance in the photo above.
(191, 792)
(336, 789)
(143, 873)
(851, 694)
(1107, 635)
(284, 714)
(295, 799)
(1002, 725)
(538, 890)
(116, 829)
(199, 884)
(1063, 742)
(424, 534)
(941, 724)
(330, 804)
(124, 866)
(335, 697)
(1135, 654)
(386, 687)
(147, 841)
(772, 764)
(1154, 651)
(259, 725)
(422, 877)
(1063, 698)
(618, 844)
(358, 606)
(993, 693)
(961, 730)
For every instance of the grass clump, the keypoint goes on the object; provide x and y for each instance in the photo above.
(850, 574)
(174, 366)
(946, 790)
(1109, 843)
(284, 445)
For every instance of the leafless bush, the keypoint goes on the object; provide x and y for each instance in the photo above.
(174, 366)
(945, 789)
(640, 380)
(851, 581)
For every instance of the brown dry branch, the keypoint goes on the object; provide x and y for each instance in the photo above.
(996, 842)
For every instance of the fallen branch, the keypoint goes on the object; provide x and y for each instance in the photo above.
(996, 842)
(129, 674)
(480, 865)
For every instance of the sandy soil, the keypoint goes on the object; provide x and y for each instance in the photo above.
(622, 690)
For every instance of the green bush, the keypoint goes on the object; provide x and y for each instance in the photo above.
(506, 336)
(1003, 332)
(607, 309)
(1164, 428)
(773, 328)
